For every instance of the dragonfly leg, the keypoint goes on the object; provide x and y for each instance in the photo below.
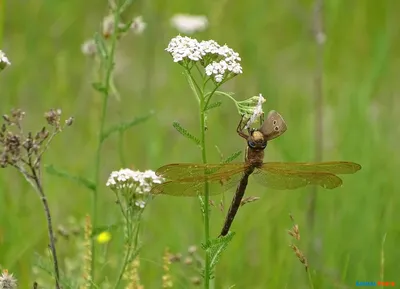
(240, 128)
(262, 119)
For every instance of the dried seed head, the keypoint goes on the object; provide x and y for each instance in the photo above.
(53, 117)
(192, 249)
(221, 206)
(6, 118)
(3, 160)
(300, 255)
(17, 114)
(12, 144)
(249, 200)
(175, 258)
(294, 232)
(188, 261)
(27, 144)
(195, 280)
(167, 278)
(69, 121)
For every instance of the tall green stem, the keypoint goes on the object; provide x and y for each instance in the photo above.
(106, 85)
(207, 272)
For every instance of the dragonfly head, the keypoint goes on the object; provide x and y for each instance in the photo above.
(256, 140)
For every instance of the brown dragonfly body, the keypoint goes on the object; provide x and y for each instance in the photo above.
(189, 179)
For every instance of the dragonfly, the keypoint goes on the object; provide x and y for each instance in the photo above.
(190, 179)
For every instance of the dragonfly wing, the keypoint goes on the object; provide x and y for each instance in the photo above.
(193, 189)
(199, 171)
(282, 179)
(329, 167)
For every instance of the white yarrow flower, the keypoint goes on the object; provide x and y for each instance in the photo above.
(138, 25)
(4, 62)
(189, 24)
(137, 183)
(219, 62)
(89, 47)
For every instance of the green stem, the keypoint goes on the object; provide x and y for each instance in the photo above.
(207, 272)
(106, 84)
(131, 249)
(310, 279)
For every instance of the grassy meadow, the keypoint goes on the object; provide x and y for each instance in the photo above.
(356, 231)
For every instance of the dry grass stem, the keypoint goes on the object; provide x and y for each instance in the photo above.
(134, 279)
(294, 232)
(166, 278)
(87, 260)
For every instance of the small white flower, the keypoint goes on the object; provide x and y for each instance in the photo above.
(139, 183)
(4, 62)
(219, 78)
(7, 281)
(188, 24)
(140, 204)
(138, 25)
(108, 25)
(89, 47)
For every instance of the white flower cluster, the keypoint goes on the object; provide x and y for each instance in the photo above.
(220, 61)
(139, 182)
(138, 25)
(4, 62)
(189, 24)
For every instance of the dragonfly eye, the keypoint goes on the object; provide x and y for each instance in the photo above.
(251, 144)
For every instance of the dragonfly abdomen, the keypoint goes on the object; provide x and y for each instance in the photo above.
(237, 199)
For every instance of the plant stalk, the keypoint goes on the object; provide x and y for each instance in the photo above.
(107, 86)
(207, 272)
(52, 242)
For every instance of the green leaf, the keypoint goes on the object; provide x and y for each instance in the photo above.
(64, 174)
(232, 157)
(215, 247)
(101, 46)
(185, 133)
(109, 228)
(124, 6)
(99, 87)
(124, 126)
(213, 105)
(192, 84)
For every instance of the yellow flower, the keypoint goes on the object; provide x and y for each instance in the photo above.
(104, 237)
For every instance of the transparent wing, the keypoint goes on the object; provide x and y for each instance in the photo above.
(198, 172)
(282, 179)
(328, 167)
(194, 187)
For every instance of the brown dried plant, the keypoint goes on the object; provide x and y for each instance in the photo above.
(24, 151)
(294, 232)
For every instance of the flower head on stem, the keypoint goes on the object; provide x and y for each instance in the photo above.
(189, 24)
(4, 62)
(134, 186)
(220, 63)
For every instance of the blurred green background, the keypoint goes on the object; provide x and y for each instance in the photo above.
(275, 39)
